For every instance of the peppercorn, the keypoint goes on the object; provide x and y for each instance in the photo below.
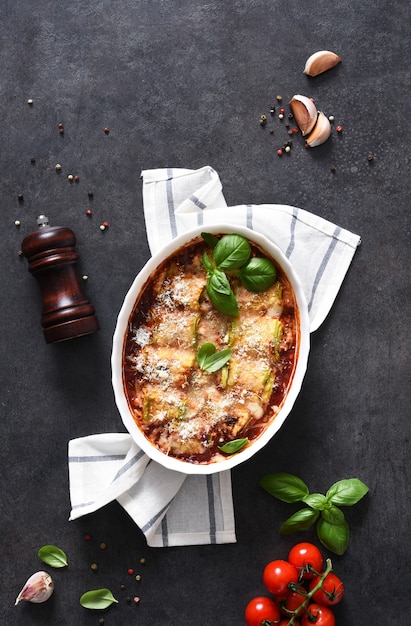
(70, 177)
(339, 129)
(89, 212)
(20, 197)
(87, 537)
(57, 167)
(287, 149)
(272, 110)
(122, 587)
(32, 159)
(142, 560)
(279, 98)
(94, 567)
(370, 157)
(281, 116)
(76, 179)
(136, 599)
(106, 130)
(130, 571)
(30, 101)
(101, 620)
(333, 169)
(17, 223)
(90, 194)
(103, 546)
(60, 126)
(138, 578)
(128, 599)
(85, 277)
(280, 152)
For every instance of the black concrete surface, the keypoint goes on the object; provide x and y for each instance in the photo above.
(183, 84)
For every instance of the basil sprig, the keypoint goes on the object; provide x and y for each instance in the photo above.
(210, 360)
(331, 525)
(232, 254)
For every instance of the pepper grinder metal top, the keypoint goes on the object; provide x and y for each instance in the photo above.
(52, 259)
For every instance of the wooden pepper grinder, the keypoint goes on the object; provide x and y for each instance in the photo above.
(52, 259)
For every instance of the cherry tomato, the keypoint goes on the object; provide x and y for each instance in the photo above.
(305, 555)
(262, 610)
(294, 600)
(277, 575)
(332, 591)
(322, 614)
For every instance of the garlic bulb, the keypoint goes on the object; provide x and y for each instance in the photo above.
(38, 588)
(320, 132)
(320, 62)
(305, 113)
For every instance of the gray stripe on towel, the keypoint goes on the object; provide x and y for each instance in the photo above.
(211, 509)
(323, 265)
(292, 233)
(96, 458)
(170, 202)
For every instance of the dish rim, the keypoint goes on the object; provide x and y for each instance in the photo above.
(170, 462)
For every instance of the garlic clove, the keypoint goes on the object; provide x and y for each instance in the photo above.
(38, 588)
(320, 62)
(320, 132)
(305, 113)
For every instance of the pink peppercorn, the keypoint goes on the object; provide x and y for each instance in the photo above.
(280, 152)
(76, 179)
(130, 571)
(339, 129)
(89, 212)
(106, 130)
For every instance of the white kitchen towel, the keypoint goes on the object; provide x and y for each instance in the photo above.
(171, 508)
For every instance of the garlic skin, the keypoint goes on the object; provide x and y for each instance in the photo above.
(320, 132)
(305, 113)
(37, 589)
(320, 62)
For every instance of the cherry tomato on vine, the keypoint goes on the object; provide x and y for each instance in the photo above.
(262, 611)
(294, 600)
(277, 575)
(332, 591)
(306, 554)
(322, 614)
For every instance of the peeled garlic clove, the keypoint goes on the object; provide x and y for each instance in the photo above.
(320, 132)
(304, 112)
(320, 62)
(38, 588)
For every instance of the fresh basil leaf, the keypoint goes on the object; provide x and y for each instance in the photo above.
(231, 252)
(219, 282)
(211, 240)
(333, 515)
(346, 492)
(258, 274)
(225, 303)
(285, 487)
(301, 520)
(207, 264)
(334, 537)
(97, 599)
(210, 360)
(233, 446)
(206, 350)
(53, 556)
(315, 500)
